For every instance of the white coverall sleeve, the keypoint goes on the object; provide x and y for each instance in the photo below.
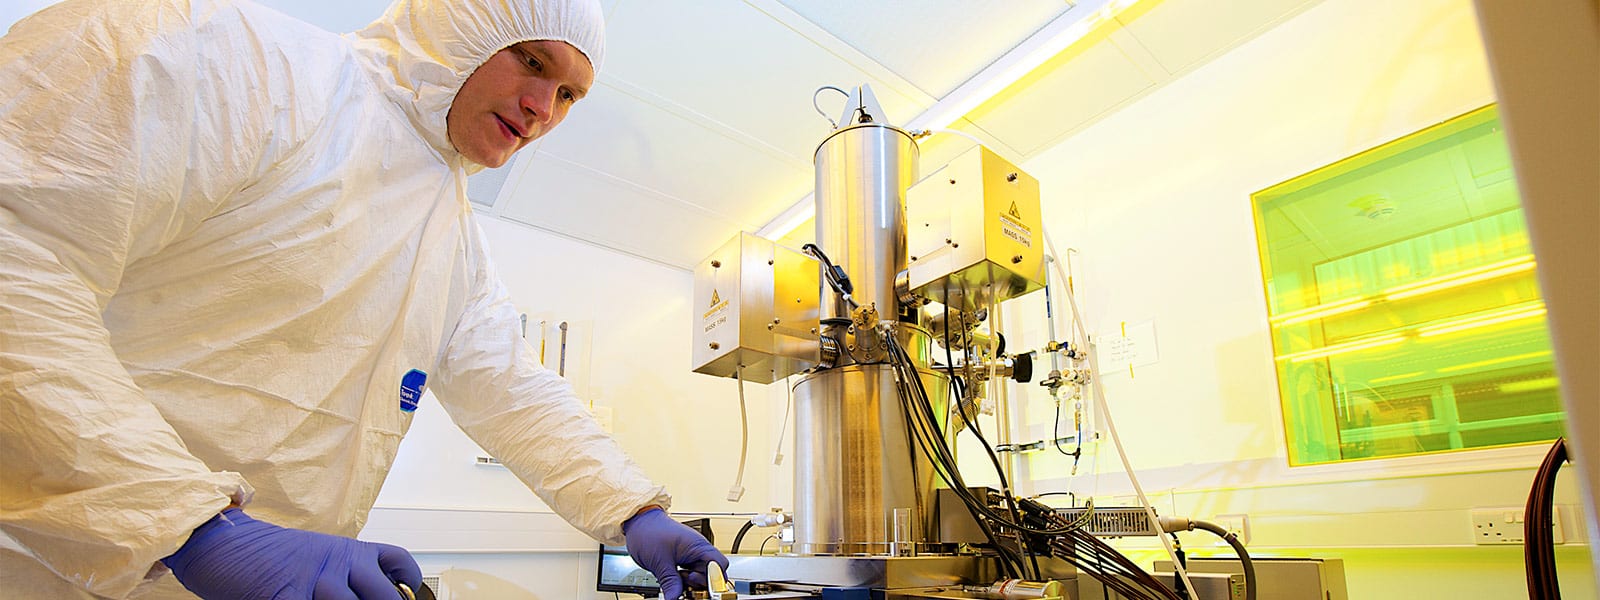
(494, 388)
(112, 144)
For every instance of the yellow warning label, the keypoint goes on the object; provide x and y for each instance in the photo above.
(717, 305)
(1011, 226)
(1014, 212)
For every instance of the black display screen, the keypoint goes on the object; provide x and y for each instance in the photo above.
(618, 573)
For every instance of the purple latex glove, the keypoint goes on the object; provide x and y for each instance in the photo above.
(233, 556)
(662, 546)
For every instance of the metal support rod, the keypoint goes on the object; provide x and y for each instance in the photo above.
(1002, 399)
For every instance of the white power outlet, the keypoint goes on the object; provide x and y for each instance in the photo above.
(1497, 526)
(1237, 524)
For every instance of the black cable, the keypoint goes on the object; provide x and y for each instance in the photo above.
(944, 461)
(739, 537)
(762, 550)
(1005, 487)
(924, 425)
(1099, 560)
(1538, 546)
(835, 275)
(1055, 434)
(994, 459)
(1177, 552)
(1109, 567)
(1072, 497)
(1238, 547)
(1068, 541)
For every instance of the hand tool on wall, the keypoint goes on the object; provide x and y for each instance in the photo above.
(562, 369)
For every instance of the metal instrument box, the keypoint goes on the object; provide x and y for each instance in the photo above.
(974, 234)
(1280, 578)
(1210, 586)
(756, 303)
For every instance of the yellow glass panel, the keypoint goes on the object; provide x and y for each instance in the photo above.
(1401, 291)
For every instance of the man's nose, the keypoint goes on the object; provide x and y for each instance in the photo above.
(541, 102)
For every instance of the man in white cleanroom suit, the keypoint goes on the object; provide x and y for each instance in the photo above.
(234, 249)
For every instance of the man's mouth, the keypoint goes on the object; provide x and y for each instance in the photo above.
(509, 129)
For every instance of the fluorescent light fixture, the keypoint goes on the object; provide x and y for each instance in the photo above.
(1055, 37)
(1507, 315)
(1426, 286)
(1396, 377)
(1352, 346)
(1474, 275)
(1494, 361)
(1531, 385)
(791, 219)
(1043, 45)
(1320, 311)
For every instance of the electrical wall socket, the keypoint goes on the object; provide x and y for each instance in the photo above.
(1237, 524)
(1503, 525)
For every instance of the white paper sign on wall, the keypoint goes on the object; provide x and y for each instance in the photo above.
(1131, 346)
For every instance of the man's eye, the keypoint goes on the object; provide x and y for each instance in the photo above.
(535, 64)
(569, 97)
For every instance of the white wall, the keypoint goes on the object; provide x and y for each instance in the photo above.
(629, 351)
(1156, 200)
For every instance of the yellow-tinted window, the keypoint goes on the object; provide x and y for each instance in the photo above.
(1405, 312)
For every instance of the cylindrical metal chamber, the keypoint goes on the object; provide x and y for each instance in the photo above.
(863, 172)
(855, 462)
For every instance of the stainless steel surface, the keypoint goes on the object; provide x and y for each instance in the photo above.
(894, 577)
(854, 463)
(955, 521)
(876, 572)
(757, 308)
(863, 172)
(974, 232)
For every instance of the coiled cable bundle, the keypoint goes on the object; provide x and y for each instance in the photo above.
(1538, 528)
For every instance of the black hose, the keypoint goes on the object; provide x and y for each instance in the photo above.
(1177, 552)
(1238, 547)
(739, 537)
(1538, 546)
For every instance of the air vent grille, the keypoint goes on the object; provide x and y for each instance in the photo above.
(1112, 522)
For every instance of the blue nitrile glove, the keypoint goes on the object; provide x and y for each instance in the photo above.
(233, 556)
(663, 545)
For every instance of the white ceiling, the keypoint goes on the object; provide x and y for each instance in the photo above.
(701, 123)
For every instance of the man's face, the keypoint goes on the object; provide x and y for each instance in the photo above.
(519, 95)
